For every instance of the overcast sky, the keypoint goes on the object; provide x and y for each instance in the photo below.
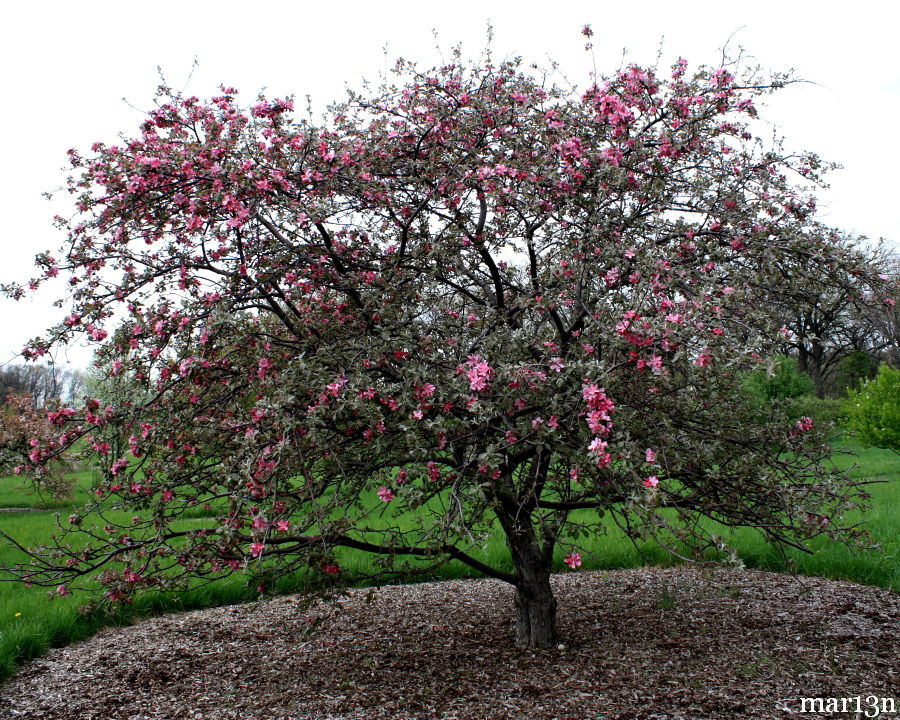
(66, 67)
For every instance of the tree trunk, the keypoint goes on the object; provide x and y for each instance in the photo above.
(818, 368)
(535, 616)
(535, 604)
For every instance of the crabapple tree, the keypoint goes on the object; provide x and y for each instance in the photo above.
(23, 428)
(468, 302)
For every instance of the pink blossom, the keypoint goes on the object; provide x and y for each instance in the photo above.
(614, 156)
(283, 525)
(557, 364)
(573, 560)
(803, 425)
(62, 591)
(592, 394)
(386, 494)
(118, 466)
(597, 449)
(265, 368)
(335, 388)
(597, 399)
(650, 455)
(479, 373)
(256, 549)
(651, 482)
(425, 391)
(599, 422)
(331, 568)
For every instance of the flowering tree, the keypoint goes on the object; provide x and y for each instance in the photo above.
(466, 303)
(23, 429)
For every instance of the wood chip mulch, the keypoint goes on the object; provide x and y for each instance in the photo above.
(649, 643)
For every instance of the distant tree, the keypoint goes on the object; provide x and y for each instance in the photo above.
(832, 322)
(11, 383)
(883, 318)
(74, 386)
(23, 430)
(853, 370)
(472, 300)
(46, 385)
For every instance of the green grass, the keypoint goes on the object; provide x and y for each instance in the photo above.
(16, 492)
(31, 622)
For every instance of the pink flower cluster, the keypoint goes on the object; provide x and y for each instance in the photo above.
(599, 421)
(479, 373)
(803, 425)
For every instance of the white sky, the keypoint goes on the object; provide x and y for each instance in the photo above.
(66, 67)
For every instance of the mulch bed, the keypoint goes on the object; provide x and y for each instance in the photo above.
(650, 643)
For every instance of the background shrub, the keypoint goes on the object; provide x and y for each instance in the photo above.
(781, 380)
(873, 411)
(822, 410)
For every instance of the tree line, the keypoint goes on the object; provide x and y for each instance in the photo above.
(44, 384)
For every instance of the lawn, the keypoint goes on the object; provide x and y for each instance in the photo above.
(31, 622)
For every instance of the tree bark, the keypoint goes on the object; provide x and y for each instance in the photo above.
(535, 604)
(535, 616)
(531, 557)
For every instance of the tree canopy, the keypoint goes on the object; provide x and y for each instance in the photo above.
(466, 300)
